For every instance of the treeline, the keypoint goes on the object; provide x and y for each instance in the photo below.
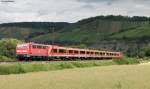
(37, 25)
(116, 18)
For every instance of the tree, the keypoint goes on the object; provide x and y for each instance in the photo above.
(147, 50)
(7, 47)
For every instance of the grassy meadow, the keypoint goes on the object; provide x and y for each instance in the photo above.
(25, 67)
(106, 77)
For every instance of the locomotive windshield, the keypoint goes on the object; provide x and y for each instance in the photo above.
(22, 46)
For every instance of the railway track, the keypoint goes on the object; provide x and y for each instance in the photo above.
(54, 61)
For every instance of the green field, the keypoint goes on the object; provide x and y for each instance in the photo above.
(107, 77)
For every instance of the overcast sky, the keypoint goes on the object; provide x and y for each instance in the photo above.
(69, 10)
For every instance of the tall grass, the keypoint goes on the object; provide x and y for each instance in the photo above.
(35, 67)
(17, 68)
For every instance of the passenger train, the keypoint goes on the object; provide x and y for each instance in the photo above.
(31, 51)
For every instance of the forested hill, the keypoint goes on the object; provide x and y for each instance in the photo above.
(109, 32)
(28, 30)
(96, 29)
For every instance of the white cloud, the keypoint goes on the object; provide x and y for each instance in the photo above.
(69, 10)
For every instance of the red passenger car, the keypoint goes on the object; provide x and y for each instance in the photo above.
(30, 51)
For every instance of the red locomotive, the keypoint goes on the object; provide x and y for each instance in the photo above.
(29, 51)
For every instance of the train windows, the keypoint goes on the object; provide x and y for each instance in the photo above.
(44, 47)
(22, 46)
(88, 52)
(76, 52)
(54, 50)
(62, 51)
(107, 53)
(34, 46)
(101, 53)
(70, 51)
(39, 47)
(118, 54)
(111, 54)
(96, 53)
(82, 52)
(92, 52)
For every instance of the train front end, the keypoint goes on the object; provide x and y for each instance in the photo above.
(23, 50)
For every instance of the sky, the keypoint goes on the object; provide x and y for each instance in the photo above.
(69, 10)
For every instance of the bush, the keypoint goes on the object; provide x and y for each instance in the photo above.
(126, 60)
(147, 50)
(4, 59)
(8, 49)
